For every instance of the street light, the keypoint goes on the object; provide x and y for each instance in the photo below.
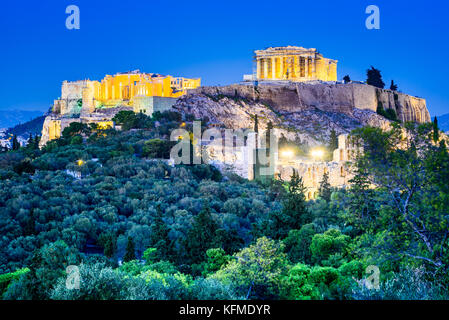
(317, 153)
(80, 162)
(287, 153)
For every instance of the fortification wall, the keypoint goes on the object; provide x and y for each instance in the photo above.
(335, 97)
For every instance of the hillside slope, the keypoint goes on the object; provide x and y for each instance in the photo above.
(233, 107)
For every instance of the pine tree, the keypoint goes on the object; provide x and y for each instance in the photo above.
(294, 213)
(374, 78)
(325, 189)
(130, 253)
(346, 79)
(393, 86)
(333, 143)
(436, 131)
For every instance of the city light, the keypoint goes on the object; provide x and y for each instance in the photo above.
(80, 162)
(287, 153)
(317, 153)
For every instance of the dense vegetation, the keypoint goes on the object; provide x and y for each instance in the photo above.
(139, 228)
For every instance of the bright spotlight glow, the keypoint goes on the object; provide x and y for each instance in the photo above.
(80, 162)
(317, 153)
(287, 153)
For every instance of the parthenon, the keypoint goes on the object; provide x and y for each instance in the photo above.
(294, 64)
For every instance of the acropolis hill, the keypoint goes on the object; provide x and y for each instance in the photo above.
(293, 87)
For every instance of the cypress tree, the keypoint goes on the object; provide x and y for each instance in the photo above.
(15, 143)
(159, 235)
(130, 253)
(201, 236)
(436, 131)
(333, 141)
(325, 189)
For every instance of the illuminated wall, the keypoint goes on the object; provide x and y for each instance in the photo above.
(121, 89)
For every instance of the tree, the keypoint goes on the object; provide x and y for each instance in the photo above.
(407, 171)
(436, 131)
(346, 79)
(330, 243)
(294, 213)
(297, 244)
(333, 141)
(130, 253)
(256, 271)
(201, 236)
(325, 189)
(374, 78)
(393, 86)
(216, 258)
(15, 143)
(159, 236)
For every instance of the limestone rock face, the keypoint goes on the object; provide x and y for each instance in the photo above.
(332, 97)
(308, 111)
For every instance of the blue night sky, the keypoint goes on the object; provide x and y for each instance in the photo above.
(215, 40)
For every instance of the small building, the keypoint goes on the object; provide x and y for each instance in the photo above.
(149, 105)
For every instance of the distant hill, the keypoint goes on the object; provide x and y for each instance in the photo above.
(33, 126)
(443, 122)
(11, 118)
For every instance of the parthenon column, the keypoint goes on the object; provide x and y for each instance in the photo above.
(306, 67)
(281, 66)
(265, 69)
(313, 61)
(258, 61)
(273, 68)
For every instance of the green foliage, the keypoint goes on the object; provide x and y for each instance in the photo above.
(333, 141)
(7, 278)
(346, 79)
(256, 271)
(374, 78)
(393, 86)
(329, 248)
(407, 284)
(47, 265)
(130, 253)
(325, 189)
(404, 208)
(436, 130)
(216, 258)
(201, 236)
(157, 148)
(294, 212)
(297, 244)
(389, 113)
(150, 255)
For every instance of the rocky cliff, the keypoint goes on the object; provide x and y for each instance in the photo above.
(308, 111)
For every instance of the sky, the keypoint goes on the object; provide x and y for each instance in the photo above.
(215, 40)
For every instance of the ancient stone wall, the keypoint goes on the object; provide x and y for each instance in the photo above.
(335, 97)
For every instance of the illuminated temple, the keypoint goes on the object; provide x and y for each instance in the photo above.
(294, 64)
(130, 89)
(96, 102)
